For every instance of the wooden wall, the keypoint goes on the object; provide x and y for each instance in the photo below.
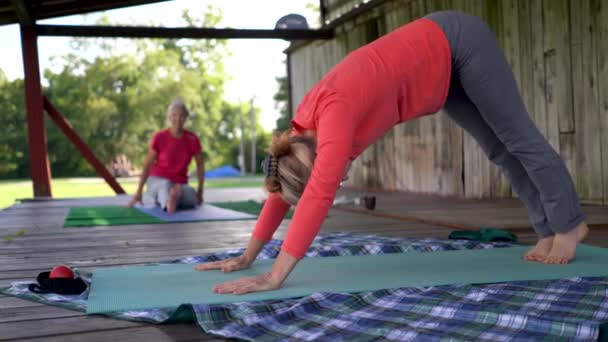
(558, 50)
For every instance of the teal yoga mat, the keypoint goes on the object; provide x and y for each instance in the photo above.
(157, 286)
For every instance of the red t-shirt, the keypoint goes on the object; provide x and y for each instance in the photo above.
(398, 77)
(174, 155)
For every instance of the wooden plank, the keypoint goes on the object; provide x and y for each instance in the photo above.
(163, 229)
(386, 154)
(60, 326)
(155, 231)
(143, 242)
(23, 12)
(160, 333)
(539, 105)
(558, 66)
(447, 141)
(38, 265)
(180, 32)
(86, 257)
(576, 45)
(490, 174)
(8, 302)
(60, 253)
(601, 22)
(63, 251)
(35, 313)
(422, 150)
(586, 100)
(558, 73)
(478, 172)
(567, 150)
(525, 58)
(407, 136)
(447, 153)
(500, 186)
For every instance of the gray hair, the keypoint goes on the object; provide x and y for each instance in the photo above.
(177, 104)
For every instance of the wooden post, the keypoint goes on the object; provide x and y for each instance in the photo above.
(86, 152)
(322, 12)
(40, 170)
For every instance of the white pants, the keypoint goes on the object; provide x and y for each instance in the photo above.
(159, 189)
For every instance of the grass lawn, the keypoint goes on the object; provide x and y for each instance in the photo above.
(90, 187)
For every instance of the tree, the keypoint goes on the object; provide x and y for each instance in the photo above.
(14, 161)
(3, 78)
(281, 98)
(117, 101)
(121, 99)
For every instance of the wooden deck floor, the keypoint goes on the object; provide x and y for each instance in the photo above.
(46, 244)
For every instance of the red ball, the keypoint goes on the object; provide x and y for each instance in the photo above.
(61, 271)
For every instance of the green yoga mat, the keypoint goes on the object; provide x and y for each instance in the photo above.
(484, 235)
(157, 286)
(107, 216)
(118, 215)
(249, 207)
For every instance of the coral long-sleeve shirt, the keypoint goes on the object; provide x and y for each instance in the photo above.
(400, 76)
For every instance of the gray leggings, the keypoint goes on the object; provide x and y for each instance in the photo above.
(159, 189)
(485, 101)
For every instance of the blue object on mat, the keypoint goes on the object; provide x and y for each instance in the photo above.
(224, 171)
(206, 212)
(157, 286)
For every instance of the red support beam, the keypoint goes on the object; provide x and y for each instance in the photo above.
(81, 146)
(40, 170)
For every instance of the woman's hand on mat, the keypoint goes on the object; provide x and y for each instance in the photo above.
(264, 282)
(233, 264)
(137, 198)
(272, 280)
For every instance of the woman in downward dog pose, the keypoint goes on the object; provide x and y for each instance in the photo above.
(448, 60)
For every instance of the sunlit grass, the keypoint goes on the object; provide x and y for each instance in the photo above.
(12, 190)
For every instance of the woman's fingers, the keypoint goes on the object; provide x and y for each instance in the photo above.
(254, 285)
(232, 266)
(214, 265)
(206, 266)
(228, 265)
(244, 285)
(245, 288)
(224, 288)
(228, 268)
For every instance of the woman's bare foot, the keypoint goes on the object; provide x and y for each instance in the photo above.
(564, 245)
(174, 195)
(541, 250)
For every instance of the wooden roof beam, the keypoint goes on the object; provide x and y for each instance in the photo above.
(177, 33)
(23, 13)
(62, 8)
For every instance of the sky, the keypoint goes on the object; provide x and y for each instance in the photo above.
(253, 65)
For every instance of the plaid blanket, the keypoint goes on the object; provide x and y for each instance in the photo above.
(572, 309)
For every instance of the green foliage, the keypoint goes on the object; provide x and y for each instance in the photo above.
(14, 160)
(116, 101)
(281, 98)
(228, 137)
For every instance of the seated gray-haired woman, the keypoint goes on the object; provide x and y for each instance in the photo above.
(166, 166)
